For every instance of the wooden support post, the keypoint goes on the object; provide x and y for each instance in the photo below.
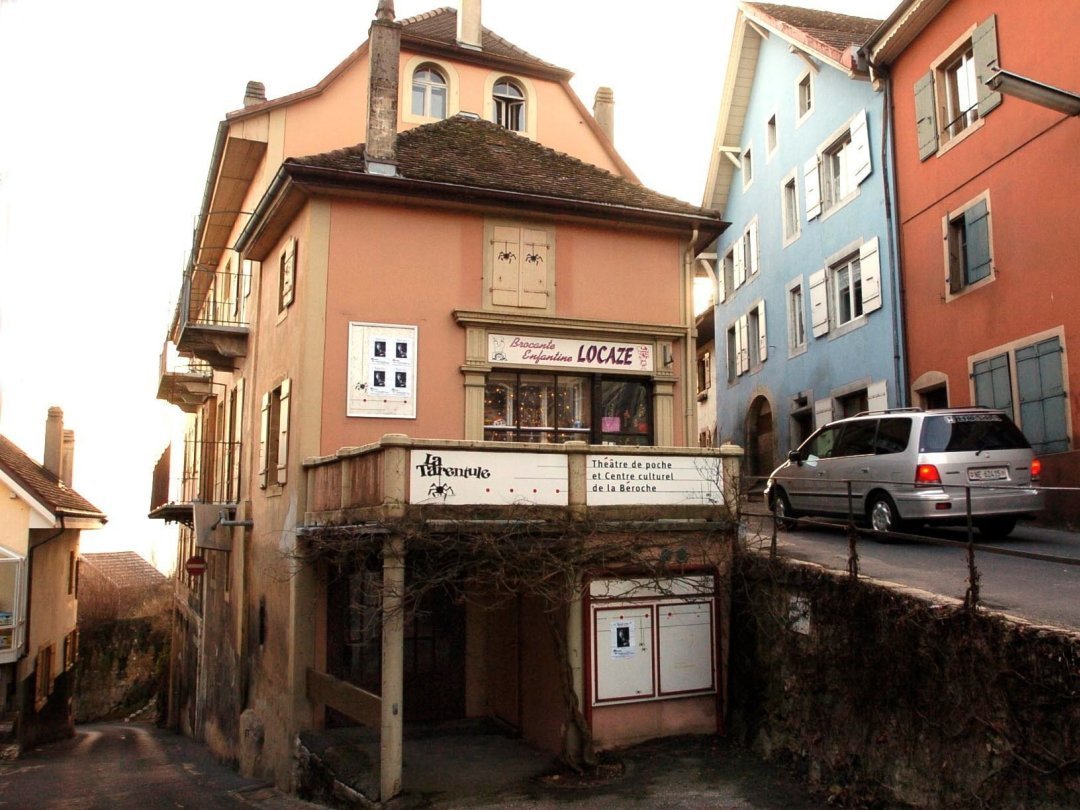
(390, 737)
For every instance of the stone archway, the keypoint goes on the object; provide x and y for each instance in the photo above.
(760, 438)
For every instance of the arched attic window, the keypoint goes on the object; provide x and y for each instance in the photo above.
(508, 103)
(429, 92)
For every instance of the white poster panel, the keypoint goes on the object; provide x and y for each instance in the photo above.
(624, 480)
(381, 377)
(686, 641)
(470, 477)
(521, 350)
(621, 671)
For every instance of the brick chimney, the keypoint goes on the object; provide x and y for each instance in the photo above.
(603, 111)
(54, 442)
(384, 48)
(254, 93)
(468, 24)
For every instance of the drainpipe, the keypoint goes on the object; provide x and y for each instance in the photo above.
(690, 352)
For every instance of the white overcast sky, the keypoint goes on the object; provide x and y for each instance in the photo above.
(108, 111)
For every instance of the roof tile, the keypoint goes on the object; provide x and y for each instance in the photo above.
(836, 30)
(45, 486)
(125, 569)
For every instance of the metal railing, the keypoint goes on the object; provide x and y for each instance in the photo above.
(855, 518)
(211, 472)
(215, 299)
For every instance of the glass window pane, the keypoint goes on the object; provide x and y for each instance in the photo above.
(438, 102)
(574, 404)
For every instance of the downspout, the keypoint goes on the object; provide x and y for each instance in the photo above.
(30, 582)
(888, 157)
(690, 351)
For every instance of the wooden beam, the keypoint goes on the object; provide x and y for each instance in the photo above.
(341, 696)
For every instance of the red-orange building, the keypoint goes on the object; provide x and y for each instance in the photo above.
(985, 180)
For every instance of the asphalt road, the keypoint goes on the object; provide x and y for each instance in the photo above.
(1045, 592)
(129, 765)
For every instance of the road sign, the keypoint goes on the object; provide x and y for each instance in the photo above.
(196, 566)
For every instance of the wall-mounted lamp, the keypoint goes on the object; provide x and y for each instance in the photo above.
(1027, 89)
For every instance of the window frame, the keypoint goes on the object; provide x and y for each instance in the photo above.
(507, 109)
(955, 258)
(287, 266)
(274, 436)
(804, 111)
(796, 319)
(746, 166)
(528, 287)
(791, 225)
(428, 88)
(772, 137)
(823, 290)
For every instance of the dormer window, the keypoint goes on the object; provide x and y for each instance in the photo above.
(509, 105)
(429, 93)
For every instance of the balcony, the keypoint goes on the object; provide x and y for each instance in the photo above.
(12, 604)
(210, 475)
(212, 319)
(399, 478)
(184, 382)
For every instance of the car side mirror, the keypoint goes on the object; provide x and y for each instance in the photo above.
(794, 457)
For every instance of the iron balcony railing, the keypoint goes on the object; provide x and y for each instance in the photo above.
(212, 298)
(211, 472)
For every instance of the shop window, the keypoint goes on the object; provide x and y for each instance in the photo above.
(554, 408)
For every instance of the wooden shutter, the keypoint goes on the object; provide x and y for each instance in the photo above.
(1041, 391)
(719, 278)
(984, 51)
(763, 339)
(822, 412)
(858, 163)
(283, 432)
(237, 436)
(505, 265)
(752, 248)
(812, 185)
(744, 344)
(740, 261)
(288, 274)
(870, 270)
(877, 396)
(926, 116)
(993, 383)
(264, 440)
(534, 268)
(819, 304)
(977, 242)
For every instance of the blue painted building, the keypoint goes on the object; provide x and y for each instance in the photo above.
(807, 320)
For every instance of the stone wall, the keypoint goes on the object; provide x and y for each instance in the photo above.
(122, 666)
(884, 696)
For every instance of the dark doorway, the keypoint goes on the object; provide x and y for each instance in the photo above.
(759, 435)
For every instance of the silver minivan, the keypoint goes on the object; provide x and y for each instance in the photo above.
(908, 466)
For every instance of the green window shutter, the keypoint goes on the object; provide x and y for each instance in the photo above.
(1041, 389)
(993, 385)
(977, 232)
(984, 51)
(925, 116)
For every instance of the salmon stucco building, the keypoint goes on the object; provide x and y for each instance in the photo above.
(431, 314)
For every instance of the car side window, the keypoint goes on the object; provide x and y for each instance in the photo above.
(892, 435)
(857, 438)
(823, 444)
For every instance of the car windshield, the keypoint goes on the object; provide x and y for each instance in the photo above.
(970, 431)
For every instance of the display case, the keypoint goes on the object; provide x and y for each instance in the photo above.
(12, 604)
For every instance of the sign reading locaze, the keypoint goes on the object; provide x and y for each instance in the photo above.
(470, 477)
(653, 480)
(569, 353)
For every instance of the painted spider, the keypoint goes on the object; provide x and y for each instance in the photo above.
(507, 256)
(440, 490)
(534, 258)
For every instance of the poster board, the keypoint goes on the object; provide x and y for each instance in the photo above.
(381, 377)
(623, 653)
(686, 647)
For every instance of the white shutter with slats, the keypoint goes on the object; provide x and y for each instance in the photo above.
(752, 252)
(264, 440)
(870, 270)
(812, 185)
(288, 273)
(859, 160)
(744, 344)
(763, 338)
(237, 435)
(283, 432)
(822, 412)
(819, 304)
(877, 396)
(740, 262)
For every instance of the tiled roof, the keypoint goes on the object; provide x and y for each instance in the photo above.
(836, 30)
(125, 569)
(44, 485)
(440, 26)
(464, 151)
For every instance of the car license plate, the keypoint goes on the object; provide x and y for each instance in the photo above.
(988, 474)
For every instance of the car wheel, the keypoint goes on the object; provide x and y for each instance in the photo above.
(996, 528)
(781, 509)
(883, 516)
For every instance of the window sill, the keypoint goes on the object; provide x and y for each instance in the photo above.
(839, 205)
(788, 241)
(954, 140)
(969, 288)
(703, 395)
(850, 326)
(795, 351)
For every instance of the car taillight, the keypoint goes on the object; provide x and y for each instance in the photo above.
(1036, 469)
(927, 474)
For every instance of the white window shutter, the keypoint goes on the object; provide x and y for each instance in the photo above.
(763, 338)
(812, 184)
(237, 434)
(505, 265)
(752, 235)
(859, 159)
(534, 268)
(740, 261)
(720, 292)
(288, 274)
(877, 396)
(819, 304)
(264, 438)
(283, 432)
(870, 269)
(822, 412)
(744, 344)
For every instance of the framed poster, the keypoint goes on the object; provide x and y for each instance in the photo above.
(381, 376)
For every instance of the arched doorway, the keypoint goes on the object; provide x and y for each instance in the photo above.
(759, 439)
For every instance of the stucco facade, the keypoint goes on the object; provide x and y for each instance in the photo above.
(807, 319)
(458, 289)
(983, 183)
